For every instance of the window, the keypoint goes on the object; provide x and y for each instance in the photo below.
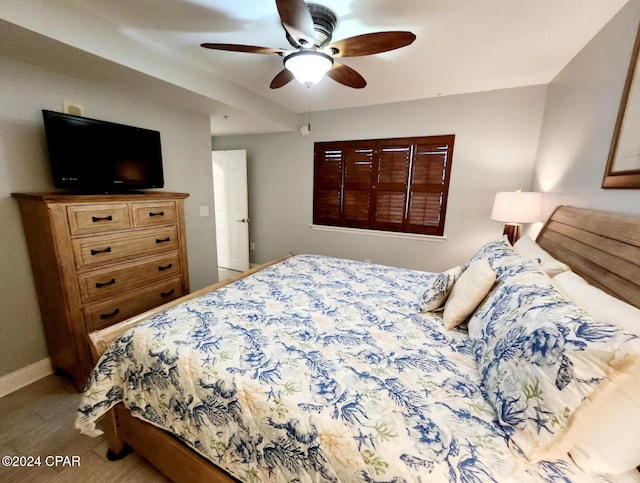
(385, 184)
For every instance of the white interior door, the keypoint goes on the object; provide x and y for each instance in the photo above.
(231, 206)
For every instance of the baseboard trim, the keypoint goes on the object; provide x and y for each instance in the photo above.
(25, 376)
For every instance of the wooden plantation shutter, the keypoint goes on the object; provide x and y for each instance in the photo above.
(327, 186)
(391, 184)
(429, 186)
(358, 163)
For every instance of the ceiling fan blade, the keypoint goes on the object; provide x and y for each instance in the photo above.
(374, 43)
(346, 75)
(283, 78)
(252, 49)
(297, 21)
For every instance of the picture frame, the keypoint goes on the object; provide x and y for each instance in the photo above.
(623, 163)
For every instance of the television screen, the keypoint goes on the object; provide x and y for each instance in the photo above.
(98, 156)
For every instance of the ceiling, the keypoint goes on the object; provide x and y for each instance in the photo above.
(462, 46)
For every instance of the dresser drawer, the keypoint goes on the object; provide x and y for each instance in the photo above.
(104, 314)
(119, 279)
(116, 247)
(87, 219)
(154, 214)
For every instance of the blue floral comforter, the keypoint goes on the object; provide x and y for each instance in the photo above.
(315, 369)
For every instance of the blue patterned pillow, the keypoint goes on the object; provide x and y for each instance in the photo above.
(500, 254)
(543, 360)
(436, 295)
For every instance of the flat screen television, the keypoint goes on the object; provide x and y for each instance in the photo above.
(92, 156)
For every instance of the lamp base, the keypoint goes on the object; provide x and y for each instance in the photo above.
(512, 231)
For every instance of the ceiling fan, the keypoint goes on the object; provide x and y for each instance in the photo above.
(308, 28)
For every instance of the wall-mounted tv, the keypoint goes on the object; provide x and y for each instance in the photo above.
(89, 155)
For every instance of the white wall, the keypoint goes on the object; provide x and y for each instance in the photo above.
(24, 91)
(496, 141)
(580, 115)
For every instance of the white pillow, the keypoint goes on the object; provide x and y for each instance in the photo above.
(609, 441)
(528, 248)
(597, 303)
(469, 290)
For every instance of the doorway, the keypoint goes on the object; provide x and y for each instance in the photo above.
(232, 211)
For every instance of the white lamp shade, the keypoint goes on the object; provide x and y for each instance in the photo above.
(308, 66)
(517, 207)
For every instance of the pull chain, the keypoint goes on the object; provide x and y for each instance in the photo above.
(306, 129)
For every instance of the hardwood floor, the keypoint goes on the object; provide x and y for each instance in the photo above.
(224, 273)
(38, 421)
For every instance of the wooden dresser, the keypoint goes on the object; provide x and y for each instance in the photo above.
(99, 259)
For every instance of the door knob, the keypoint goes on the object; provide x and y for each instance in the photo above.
(244, 220)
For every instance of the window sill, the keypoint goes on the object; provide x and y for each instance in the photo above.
(379, 233)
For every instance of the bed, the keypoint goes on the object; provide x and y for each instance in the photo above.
(314, 368)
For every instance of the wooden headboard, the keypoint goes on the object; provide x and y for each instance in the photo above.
(603, 248)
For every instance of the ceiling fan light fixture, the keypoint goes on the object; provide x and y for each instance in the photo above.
(308, 66)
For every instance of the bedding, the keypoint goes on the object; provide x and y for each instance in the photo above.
(528, 248)
(599, 304)
(607, 445)
(544, 361)
(319, 369)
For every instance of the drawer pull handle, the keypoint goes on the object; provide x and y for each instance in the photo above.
(106, 316)
(95, 219)
(162, 240)
(106, 250)
(157, 213)
(104, 284)
(166, 294)
(166, 267)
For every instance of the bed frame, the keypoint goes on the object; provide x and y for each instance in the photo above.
(603, 248)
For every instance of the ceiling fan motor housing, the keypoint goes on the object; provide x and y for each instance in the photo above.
(324, 23)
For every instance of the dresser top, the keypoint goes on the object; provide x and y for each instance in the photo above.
(66, 197)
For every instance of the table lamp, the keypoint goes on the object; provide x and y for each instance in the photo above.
(514, 208)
